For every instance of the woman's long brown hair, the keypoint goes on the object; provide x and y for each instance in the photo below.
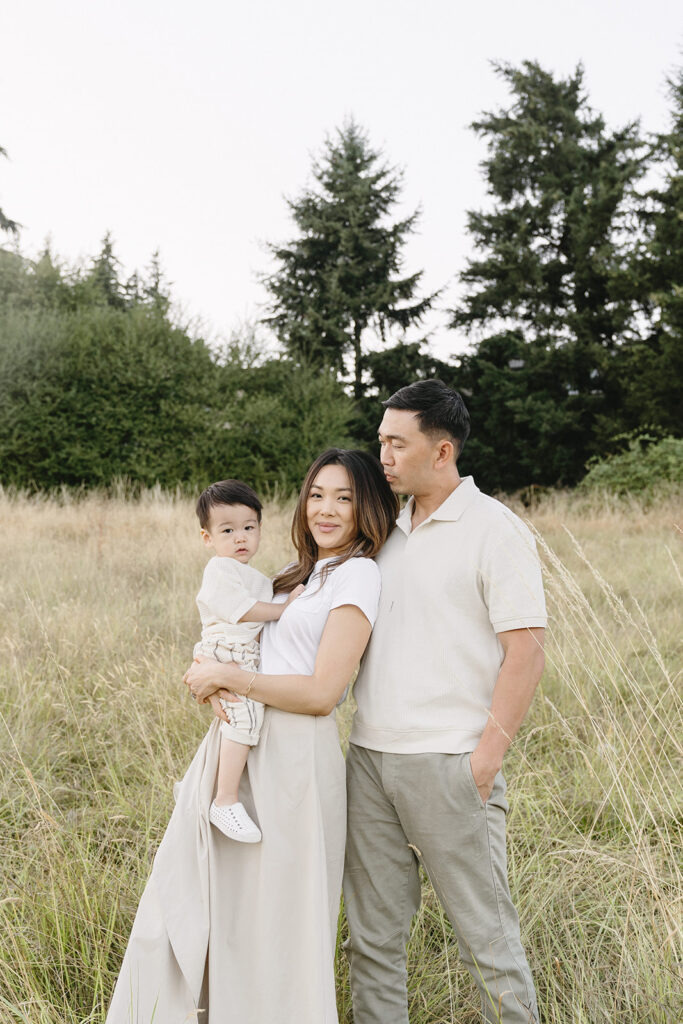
(375, 508)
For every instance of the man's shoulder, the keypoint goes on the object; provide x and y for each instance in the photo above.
(393, 545)
(491, 513)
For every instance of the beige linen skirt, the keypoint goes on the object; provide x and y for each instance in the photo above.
(228, 932)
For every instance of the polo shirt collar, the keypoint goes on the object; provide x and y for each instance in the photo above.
(449, 510)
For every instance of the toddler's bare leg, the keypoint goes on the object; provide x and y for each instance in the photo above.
(231, 763)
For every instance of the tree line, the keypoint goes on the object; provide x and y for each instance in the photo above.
(568, 328)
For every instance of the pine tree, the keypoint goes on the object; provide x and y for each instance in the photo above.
(549, 289)
(654, 368)
(155, 289)
(6, 224)
(387, 370)
(104, 276)
(339, 282)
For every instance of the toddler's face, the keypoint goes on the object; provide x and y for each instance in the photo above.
(233, 532)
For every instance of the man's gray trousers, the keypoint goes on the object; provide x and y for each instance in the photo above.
(406, 809)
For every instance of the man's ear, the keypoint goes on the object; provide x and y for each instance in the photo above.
(445, 453)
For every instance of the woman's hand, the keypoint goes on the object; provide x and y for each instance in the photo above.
(205, 676)
(203, 679)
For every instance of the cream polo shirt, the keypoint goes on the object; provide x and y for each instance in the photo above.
(468, 572)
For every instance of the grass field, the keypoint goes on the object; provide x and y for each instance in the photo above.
(98, 621)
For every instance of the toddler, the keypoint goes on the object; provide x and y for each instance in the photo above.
(234, 601)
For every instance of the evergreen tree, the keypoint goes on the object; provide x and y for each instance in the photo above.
(104, 276)
(34, 284)
(155, 290)
(387, 370)
(339, 282)
(6, 224)
(550, 288)
(274, 416)
(654, 369)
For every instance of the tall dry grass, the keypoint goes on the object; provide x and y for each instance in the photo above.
(98, 619)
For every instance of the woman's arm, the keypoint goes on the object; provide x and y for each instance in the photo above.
(344, 639)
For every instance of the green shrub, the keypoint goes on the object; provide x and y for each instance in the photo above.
(273, 419)
(100, 393)
(98, 385)
(646, 465)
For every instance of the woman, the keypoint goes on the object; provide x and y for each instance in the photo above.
(228, 932)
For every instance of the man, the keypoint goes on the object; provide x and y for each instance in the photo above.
(454, 659)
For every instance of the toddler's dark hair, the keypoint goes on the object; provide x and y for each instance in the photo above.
(226, 492)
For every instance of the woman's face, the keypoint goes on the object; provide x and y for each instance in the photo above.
(329, 511)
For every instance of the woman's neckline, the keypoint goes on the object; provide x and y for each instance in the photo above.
(328, 558)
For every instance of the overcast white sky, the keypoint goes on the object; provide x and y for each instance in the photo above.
(182, 126)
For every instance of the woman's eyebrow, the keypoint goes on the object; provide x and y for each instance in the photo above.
(317, 487)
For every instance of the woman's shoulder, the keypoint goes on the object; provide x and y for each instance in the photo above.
(364, 570)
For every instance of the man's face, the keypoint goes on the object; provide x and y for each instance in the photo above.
(407, 455)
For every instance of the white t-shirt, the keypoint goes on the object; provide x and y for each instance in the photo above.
(229, 589)
(290, 645)
(468, 572)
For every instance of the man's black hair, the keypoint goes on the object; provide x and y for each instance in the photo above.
(226, 492)
(438, 409)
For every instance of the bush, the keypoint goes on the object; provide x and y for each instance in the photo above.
(646, 465)
(100, 393)
(273, 419)
(99, 385)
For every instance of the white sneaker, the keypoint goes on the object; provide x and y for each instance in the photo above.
(234, 822)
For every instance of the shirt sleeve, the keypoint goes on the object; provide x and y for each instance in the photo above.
(357, 582)
(224, 592)
(512, 579)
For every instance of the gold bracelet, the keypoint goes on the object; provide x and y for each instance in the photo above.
(250, 684)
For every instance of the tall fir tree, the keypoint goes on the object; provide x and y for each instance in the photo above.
(104, 276)
(548, 293)
(654, 369)
(155, 289)
(339, 282)
(385, 371)
(6, 223)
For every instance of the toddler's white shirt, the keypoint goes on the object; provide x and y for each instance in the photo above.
(229, 589)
